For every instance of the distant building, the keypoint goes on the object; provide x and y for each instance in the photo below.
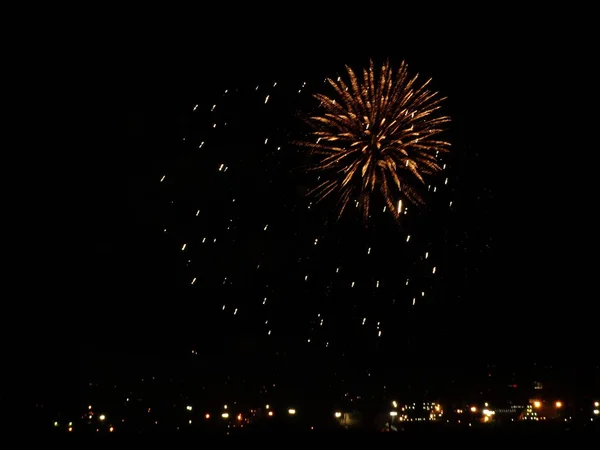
(538, 409)
(420, 412)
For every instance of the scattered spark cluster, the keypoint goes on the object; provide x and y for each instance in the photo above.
(378, 135)
(255, 248)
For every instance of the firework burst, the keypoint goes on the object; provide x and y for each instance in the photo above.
(378, 134)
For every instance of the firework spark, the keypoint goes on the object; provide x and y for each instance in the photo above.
(381, 133)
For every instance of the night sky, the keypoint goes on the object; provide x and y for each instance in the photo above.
(125, 285)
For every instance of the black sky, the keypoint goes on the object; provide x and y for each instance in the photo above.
(130, 100)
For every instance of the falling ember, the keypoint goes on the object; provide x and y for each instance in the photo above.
(382, 136)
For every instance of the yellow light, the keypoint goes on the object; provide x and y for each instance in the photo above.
(111, 429)
(102, 417)
(338, 415)
(291, 412)
(270, 413)
(239, 417)
(225, 415)
(596, 404)
(189, 408)
(207, 416)
(559, 404)
(596, 412)
(393, 413)
(473, 409)
(437, 408)
(89, 406)
(70, 428)
(267, 406)
(55, 424)
(537, 404)
(395, 404)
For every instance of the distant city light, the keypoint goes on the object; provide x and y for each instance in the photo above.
(291, 412)
(338, 415)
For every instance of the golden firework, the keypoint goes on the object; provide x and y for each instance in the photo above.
(379, 133)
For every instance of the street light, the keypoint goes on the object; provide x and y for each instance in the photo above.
(559, 404)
